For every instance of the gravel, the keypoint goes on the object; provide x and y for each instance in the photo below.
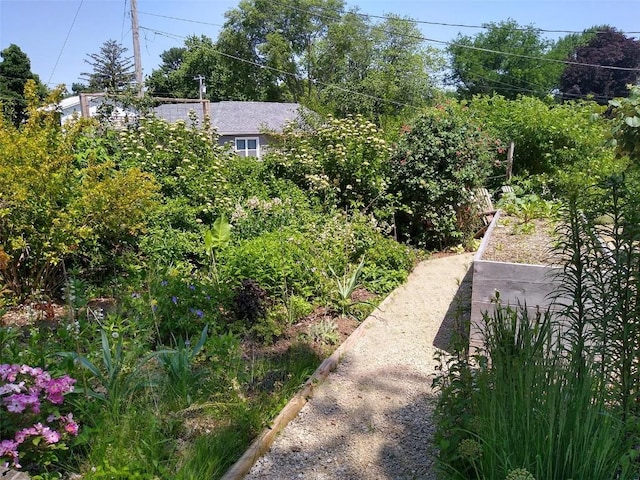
(372, 417)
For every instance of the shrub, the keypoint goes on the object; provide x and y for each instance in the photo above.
(626, 128)
(177, 302)
(342, 160)
(277, 261)
(250, 302)
(187, 162)
(55, 207)
(548, 137)
(436, 164)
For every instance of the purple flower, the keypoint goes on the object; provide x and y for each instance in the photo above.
(174, 299)
(192, 287)
(164, 283)
(11, 388)
(50, 436)
(57, 387)
(199, 313)
(9, 372)
(9, 448)
(135, 295)
(18, 402)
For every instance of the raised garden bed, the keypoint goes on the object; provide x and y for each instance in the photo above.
(519, 266)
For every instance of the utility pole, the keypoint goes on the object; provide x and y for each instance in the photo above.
(135, 28)
(202, 87)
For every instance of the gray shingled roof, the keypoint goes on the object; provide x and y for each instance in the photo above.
(242, 118)
(172, 112)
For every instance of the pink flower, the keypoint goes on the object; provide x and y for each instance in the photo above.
(18, 402)
(50, 436)
(71, 428)
(57, 387)
(9, 448)
(9, 372)
(11, 387)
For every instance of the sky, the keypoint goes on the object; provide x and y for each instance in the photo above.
(57, 35)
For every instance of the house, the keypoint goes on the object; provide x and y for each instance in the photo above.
(243, 124)
(89, 105)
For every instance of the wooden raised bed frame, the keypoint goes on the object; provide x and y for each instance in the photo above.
(517, 283)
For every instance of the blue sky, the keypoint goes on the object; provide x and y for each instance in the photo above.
(40, 27)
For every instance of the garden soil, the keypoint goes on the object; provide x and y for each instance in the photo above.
(373, 416)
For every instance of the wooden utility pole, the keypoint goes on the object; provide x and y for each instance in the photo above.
(201, 86)
(135, 28)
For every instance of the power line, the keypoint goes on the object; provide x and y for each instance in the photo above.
(124, 16)
(284, 72)
(65, 41)
(180, 19)
(443, 24)
(454, 44)
(439, 42)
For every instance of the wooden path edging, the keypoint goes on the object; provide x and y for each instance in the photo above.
(261, 445)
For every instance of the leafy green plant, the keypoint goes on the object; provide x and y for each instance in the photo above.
(562, 135)
(436, 164)
(57, 210)
(285, 257)
(214, 239)
(182, 379)
(341, 160)
(515, 393)
(626, 129)
(325, 332)
(345, 285)
(115, 381)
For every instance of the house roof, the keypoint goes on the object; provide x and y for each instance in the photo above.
(251, 118)
(172, 112)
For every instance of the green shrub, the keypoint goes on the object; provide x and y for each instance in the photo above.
(436, 164)
(177, 302)
(342, 160)
(548, 137)
(187, 162)
(56, 208)
(275, 260)
(626, 127)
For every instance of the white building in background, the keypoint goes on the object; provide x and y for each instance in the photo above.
(88, 105)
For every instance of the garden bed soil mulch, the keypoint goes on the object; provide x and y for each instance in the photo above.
(512, 241)
(345, 325)
(51, 313)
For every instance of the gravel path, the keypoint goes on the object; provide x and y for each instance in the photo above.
(371, 418)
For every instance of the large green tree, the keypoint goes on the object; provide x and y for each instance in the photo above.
(374, 69)
(111, 69)
(15, 71)
(281, 38)
(606, 48)
(507, 59)
(165, 81)
(307, 51)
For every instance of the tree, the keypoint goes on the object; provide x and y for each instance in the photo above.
(111, 70)
(164, 81)
(506, 59)
(264, 34)
(607, 47)
(374, 69)
(310, 52)
(15, 71)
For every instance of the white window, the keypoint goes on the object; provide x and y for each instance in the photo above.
(248, 146)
